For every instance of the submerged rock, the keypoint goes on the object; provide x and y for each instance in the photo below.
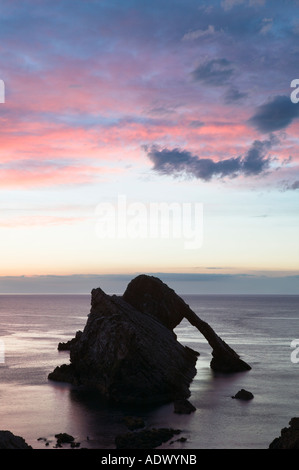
(8, 440)
(128, 349)
(289, 437)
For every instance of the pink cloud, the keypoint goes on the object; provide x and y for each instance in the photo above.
(48, 176)
(101, 112)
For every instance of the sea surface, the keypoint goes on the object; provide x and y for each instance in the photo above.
(259, 328)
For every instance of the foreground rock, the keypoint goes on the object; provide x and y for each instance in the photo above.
(8, 440)
(289, 437)
(128, 349)
(147, 439)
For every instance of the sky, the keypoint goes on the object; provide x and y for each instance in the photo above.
(154, 137)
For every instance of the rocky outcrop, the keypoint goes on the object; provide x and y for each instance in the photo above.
(64, 373)
(150, 295)
(67, 345)
(8, 440)
(128, 356)
(289, 437)
(128, 349)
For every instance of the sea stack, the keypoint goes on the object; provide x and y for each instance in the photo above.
(129, 352)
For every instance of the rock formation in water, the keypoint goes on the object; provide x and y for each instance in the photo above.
(128, 349)
(8, 440)
(150, 295)
(289, 437)
(128, 356)
(243, 395)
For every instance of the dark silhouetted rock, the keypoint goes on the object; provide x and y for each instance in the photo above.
(9, 441)
(67, 346)
(244, 395)
(146, 439)
(289, 437)
(294, 424)
(183, 407)
(63, 373)
(129, 352)
(45, 440)
(65, 438)
(130, 357)
(133, 422)
(150, 295)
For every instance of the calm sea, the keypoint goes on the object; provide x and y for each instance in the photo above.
(259, 328)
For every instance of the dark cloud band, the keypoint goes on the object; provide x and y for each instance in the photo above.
(214, 72)
(277, 114)
(181, 162)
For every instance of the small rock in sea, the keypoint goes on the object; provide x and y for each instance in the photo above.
(45, 440)
(244, 395)
(183, 407)
(133, 422)
(146, 439)
(64, 438)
